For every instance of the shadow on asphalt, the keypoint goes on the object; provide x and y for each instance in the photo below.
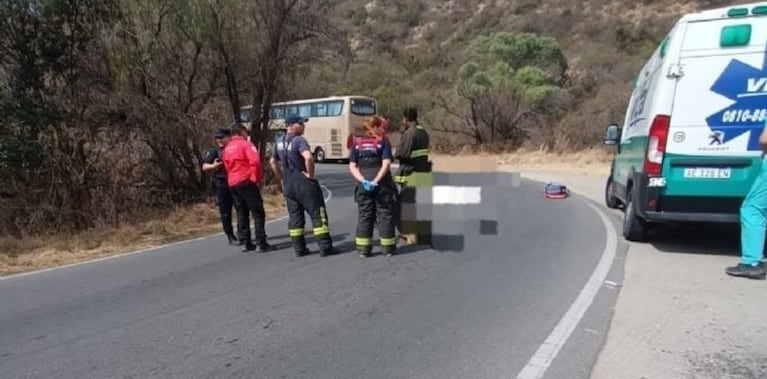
(696, 239)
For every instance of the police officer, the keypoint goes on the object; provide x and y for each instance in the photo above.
(212, 162)
(412, 154)
(369, 162)
(293, 164)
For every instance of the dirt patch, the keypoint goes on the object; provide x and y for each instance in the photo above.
(727, 364)
(20, 255)
(589, 162)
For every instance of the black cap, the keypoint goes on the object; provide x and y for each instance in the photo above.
(222, 132)
(295, 119)
(410, 113)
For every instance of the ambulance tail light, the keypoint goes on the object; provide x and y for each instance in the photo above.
(656, 145)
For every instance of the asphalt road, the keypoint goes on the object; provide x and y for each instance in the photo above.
(203, 309)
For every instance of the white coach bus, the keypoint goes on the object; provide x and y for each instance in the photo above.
(331, 121)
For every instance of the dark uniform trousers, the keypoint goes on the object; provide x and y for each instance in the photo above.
(248, 200)
(417, 161)
(304, 195)
(379, 204)
(225, 204)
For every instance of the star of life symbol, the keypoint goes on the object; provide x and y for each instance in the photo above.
(746, 86)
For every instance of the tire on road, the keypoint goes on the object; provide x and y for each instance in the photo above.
(634, 228)
(611, 201)
(319, 155)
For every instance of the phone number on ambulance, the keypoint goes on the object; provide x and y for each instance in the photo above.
(745, 115)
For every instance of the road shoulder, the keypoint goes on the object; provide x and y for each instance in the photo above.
(678, 315)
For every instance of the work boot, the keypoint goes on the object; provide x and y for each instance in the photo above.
(249, 246)
(329, 251)
(365, 252)
(748, 271)
(303, 253)
(390, 252)
(263, 247)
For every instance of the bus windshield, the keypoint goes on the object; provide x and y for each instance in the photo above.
(362, 107)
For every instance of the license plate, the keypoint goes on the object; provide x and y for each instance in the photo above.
(707, 173)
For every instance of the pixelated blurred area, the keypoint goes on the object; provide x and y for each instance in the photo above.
(459, 207)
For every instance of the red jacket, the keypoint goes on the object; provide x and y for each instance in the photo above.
(242, 162)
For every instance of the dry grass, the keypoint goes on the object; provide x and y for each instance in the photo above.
(588, 162)
(20, 255)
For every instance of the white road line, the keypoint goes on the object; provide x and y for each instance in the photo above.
(142, 251)
(542, 359)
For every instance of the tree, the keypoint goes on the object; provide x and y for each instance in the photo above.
(510, 86)
(289, 36)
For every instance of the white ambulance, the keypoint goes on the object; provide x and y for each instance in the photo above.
(687, 150)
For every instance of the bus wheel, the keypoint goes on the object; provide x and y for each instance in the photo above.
(319, 155)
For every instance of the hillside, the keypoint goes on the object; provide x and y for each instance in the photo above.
(110, 103)
(411, 51)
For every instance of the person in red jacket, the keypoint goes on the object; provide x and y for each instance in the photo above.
(244, 172)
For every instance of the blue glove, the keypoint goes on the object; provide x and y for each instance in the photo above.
(368, 185)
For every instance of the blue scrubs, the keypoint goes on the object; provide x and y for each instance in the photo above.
(753, 220)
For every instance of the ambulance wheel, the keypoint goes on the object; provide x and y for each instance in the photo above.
(611, 201)
(634, 228)
(319, 155)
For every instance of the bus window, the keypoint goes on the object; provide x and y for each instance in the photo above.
(290, 110)
(305, 110)
(335, 108)
(363, 107)
(319, 110)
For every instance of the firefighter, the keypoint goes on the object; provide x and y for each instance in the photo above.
(212, 162)
(244, 172)
(293, 164)
(412, 155)
(413, 149)
(375, 194)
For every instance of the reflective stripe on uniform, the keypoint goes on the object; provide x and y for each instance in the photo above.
(419, 153)
(321, 230)
(362, 241)
(324, 217)
(388, 241)
(296, 232)
(416, 179)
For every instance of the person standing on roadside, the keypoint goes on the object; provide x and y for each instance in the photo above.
(293, 164)
(212, 162)
(369, 162)
(244, 173)
(753, 221)
(412, 155)
(413, 149)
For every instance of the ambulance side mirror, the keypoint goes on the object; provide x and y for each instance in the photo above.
(611, 135)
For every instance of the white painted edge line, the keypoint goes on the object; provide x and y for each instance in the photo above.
(544, 356)
(142, 251)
